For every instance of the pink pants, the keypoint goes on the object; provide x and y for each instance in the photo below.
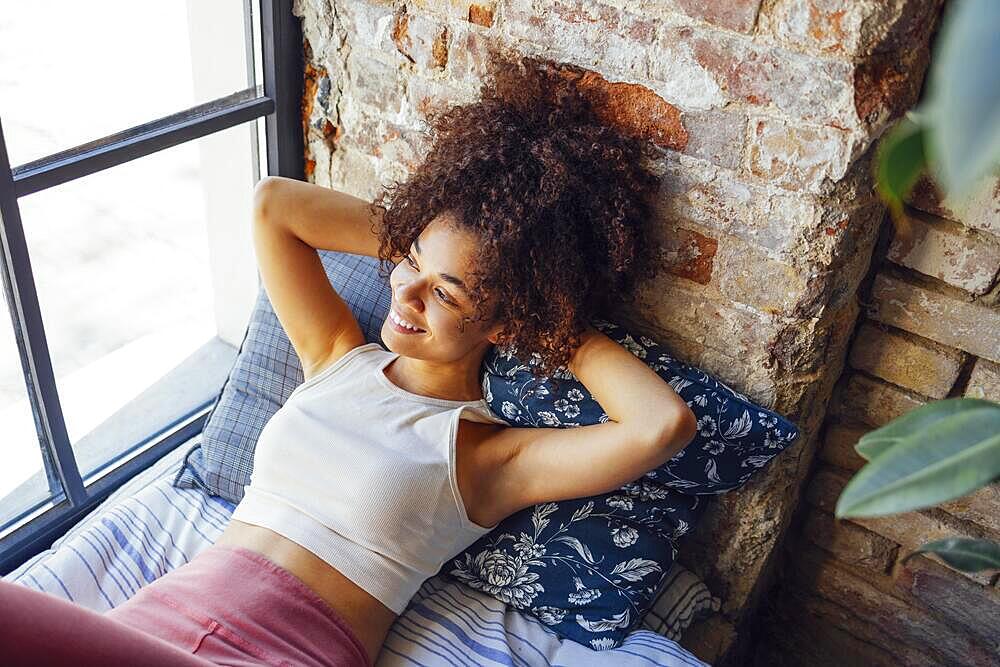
(227, 606)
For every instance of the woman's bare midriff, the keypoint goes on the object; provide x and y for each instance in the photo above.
(368, 617)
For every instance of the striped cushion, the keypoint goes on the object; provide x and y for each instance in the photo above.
(148, 527)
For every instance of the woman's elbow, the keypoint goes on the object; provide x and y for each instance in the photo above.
(678, 430)
(264, 194)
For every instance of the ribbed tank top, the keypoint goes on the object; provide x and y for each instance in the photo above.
(361, 472)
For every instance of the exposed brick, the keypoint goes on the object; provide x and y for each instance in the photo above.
(847, 27)
(885, 85)
(892, 616)
(716, 199)
(370, 25)
(838, 445)
(375, 83)
(354, 172)
(481, 14)
(716, 135)
(875, 402)
(739, 15)
(816, 632)
(980, 209)
(973, 607)
(850, 543)
(984, 381)
(584, 34)
(467, 54)
(635, 109)
(909, 529)
(424, 96)
(689, 255)
(796, 156)
(948, 251)
(909, 361)
(981, 507)
(710, 639)
(812, 90)
(937, 312)
(421, 40)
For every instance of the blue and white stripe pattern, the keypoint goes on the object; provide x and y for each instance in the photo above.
(148, 527)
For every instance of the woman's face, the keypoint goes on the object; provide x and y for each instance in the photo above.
(428, 293)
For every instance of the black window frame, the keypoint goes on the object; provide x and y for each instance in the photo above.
(279, 105)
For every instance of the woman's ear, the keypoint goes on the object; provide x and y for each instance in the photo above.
(495, 333)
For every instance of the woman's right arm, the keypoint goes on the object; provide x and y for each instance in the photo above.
(321, 217)
(291, 219)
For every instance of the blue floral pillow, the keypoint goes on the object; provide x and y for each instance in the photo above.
(590, 568)
(735, 437)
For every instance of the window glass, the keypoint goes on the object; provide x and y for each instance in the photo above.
(22, 484)
(137, 269)
(72, 72)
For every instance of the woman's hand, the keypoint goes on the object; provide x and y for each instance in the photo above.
(631, 393)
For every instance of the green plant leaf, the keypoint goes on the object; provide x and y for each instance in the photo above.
(900, 160)
(963, 553)
(963, 96)
(915, 421)
(947, 459)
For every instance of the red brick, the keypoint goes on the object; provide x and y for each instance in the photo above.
(797, 156)
(689, 255)
(887, 84)
(633, 108)
(738, 15)
(481, 15)
(716, 199)
(936, 311)
(906, 360)
(947, 251)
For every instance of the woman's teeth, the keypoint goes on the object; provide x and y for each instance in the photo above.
(403, 323)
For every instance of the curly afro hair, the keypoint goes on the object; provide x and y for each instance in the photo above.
(560, 200)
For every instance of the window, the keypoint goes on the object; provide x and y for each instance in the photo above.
(127, 262)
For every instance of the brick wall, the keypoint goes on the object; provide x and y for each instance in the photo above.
(931, 330)
(765, 113)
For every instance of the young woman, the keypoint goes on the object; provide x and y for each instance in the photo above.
(527, 217)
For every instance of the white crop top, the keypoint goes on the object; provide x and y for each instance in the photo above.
(361, 472)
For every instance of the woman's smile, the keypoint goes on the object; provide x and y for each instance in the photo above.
(401, 325)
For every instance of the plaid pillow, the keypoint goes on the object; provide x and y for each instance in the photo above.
(266, 371)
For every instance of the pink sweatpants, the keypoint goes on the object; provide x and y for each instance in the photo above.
(227, 606)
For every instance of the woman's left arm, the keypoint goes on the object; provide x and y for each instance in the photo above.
(646, 408)
(648, 423)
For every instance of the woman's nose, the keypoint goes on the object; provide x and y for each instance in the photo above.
(409, 293)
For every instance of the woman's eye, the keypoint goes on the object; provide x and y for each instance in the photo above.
(444, 297)
(410, 261)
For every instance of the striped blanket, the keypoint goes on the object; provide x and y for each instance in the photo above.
(147, 527)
